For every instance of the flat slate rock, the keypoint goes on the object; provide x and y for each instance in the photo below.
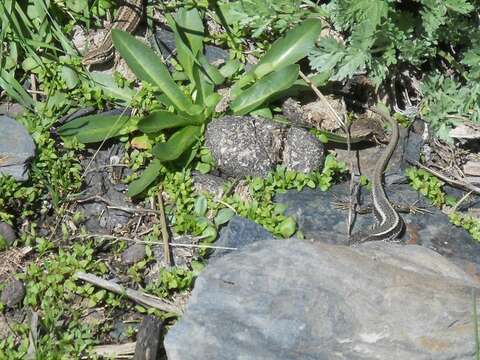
(292, 299)
(16, 149)
(316, 214)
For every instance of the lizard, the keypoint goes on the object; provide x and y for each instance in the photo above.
(389, 224)
(127, 19)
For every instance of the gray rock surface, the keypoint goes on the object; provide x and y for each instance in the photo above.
(11, 109)
(302, 151)
(13, 293)
(246, 146)
(102, 211)
(290, 299)
(134, 254)
(316, 213)
(166, 43)
(16, 149)
(7, 233)
(243, 146)
(208, 183)
(238, 233)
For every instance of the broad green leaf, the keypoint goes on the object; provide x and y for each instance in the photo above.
(110, 87)
(212, 72)
(223, 216)
(230, 67)
(177, 144)
(287, 227)
(262, 112)
(190, 26)
(202, 85)
(162, 119)
(296, 44)
(265, 88)
(148, 67)
(94, 128)
(188, 29)
(148, 176)
(70, 76)
(15, 90)
(200, 207)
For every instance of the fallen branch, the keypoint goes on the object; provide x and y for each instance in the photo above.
(114, 351)
(137, 296)
(324, 100)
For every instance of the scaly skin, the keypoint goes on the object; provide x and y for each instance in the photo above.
(128, 17)
(389, 223)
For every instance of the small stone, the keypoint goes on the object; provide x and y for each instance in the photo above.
(7, 235)
(16, 149)
(208, 183)
(13, 293)
(302, 152)
(133, 254)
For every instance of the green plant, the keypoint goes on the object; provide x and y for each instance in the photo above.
(427, 184)
(386, 38)
(265, 17)
(275, 72)
(468, 222)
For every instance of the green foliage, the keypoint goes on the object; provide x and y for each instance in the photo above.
(468, 222)
(95, 128)
(431, 187)
(261, 208)
(171, 280)
(385, 37)
(49, 289)
(265, 17)
(274, 73)
(447, 103)
(427, 184)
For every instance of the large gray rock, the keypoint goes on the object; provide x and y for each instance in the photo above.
(7, 235)
(300, 300)
(104, 191)
(16, 149)
(315, 213)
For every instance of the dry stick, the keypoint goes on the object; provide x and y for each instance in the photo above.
(32, 337)
(464, 197)
(335, 115)
(114, 351)
(137, 296)
(163, 224)
(457, 182)
(113, 237)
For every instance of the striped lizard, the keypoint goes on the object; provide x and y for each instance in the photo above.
(389, 223)
(128, 17)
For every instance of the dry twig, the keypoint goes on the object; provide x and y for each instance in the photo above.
(163, 224)
(137, 296)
